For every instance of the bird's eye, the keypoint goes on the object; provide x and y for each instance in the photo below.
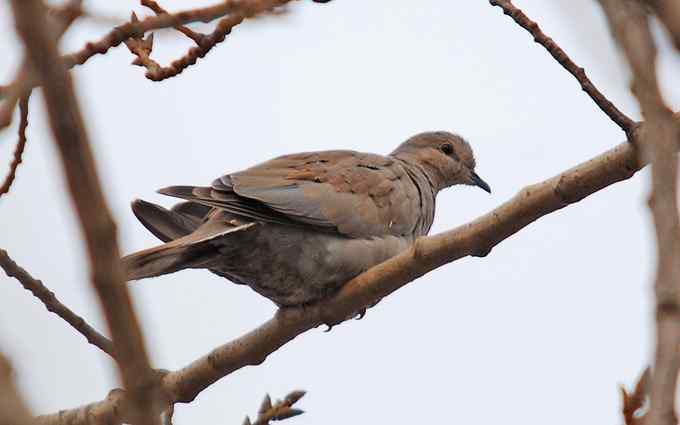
(447, 149)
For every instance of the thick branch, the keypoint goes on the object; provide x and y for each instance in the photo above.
(625, 123)
(630, 25)
(13, 411)
(475, 238)
(668, 12)
(60, 19)
(96, 221)
(53, 305)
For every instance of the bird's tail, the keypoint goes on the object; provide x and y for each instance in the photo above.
(168, 225)
(193, 244)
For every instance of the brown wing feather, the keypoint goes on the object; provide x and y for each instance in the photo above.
(352, 193)
(358, 194)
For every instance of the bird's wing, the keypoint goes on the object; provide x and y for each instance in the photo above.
(352, 193)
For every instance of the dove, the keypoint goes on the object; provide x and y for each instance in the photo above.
(298, 227)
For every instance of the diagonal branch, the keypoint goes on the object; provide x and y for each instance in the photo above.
(476, 238)
(97, 224)
(21, 144)
(629, 23)
(625, 123)
(53, 305)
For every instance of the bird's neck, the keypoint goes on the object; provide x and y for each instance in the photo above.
(427, 188)
(433, 175)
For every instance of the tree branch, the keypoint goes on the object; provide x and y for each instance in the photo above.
(96, 221)
(196, 37)
(278, 411)
(624, 122)
(13, 410)
(668, 12)
(629, 23)
(169, 20)
(473, 239)
(135, 30)
(60, 19)
(21, 144)
(476, 238)
(632, 403)
(204, 42)
(53, 305)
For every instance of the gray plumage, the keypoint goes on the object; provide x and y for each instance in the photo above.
(297, 227)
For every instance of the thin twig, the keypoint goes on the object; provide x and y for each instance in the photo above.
(631, 403)
(142, 48)
(624, 122)
(204, 42)
(21, 144)
(629, 22)
(278, 411)
(197, 37)
(47, 297)
(26, 81)
(96, 222)
(137, 29)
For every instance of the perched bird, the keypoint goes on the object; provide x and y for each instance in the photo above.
(297, 227)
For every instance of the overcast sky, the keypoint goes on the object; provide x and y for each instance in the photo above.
(542, 330)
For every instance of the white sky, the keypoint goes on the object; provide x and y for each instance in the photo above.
(543, 329)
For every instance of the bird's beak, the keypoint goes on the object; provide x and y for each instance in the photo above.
(477, 181)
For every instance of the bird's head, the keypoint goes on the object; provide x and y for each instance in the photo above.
(447, 159)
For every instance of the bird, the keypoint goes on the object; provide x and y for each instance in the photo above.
(296, 228)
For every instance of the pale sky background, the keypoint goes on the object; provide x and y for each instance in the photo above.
(542, 330)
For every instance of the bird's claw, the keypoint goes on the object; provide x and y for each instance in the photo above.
(360, 315)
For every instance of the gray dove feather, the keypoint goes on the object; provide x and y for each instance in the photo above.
(297, 227)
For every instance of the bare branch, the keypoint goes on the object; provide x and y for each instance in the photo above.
(197, 37)
(624, 122)
(53, 305)
(170, 20)
(21, 144)
(204, 43)
(278, 411)
(13, 411)
(60, 19)
(629, 22)
(476, 238)
(239, 10)
(668, 12)
(96, 221)
(633, 402)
